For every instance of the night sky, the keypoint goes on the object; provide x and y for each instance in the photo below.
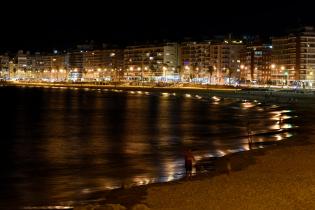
(61, 24)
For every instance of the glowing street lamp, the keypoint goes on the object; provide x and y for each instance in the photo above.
(286, 73)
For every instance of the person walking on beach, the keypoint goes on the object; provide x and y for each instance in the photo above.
(189, 159)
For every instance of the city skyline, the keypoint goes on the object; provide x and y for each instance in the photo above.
(287, 60)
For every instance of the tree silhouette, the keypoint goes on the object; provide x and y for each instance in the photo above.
(210, 72)
(230, 72)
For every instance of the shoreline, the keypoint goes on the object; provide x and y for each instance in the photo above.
(214, 190)
(282, 96)
(240, 162)
(135, 197)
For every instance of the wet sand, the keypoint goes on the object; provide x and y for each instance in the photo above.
(279, 178)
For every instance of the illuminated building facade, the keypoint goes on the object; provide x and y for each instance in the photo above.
(103, 65)
(151, 62)
(4, 67)
(293, 58)
(225, 59)
(256, 64)
(195, 61)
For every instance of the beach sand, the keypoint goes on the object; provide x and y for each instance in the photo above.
(280, 179)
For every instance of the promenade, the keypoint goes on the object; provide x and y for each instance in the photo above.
(268, 95)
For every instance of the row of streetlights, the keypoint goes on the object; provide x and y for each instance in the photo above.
(273, 67)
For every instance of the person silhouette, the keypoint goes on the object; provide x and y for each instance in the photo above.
(189, 159)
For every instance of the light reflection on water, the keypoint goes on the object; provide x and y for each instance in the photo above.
(63, 144)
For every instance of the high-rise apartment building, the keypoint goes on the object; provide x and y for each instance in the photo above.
(104, 64)
(4, 66)
(225, 59)
(256, 63)
(293, 58)
(151, 62)
(195, 61)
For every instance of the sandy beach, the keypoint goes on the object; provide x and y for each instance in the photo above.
(277, 178)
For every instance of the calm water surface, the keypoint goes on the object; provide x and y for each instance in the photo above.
(60, 145)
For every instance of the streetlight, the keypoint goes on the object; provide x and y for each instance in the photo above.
(282, 68)
(164, 72)
(141, 69)
(286, 73)
(187, 68)
(242, 67)
(273, 66)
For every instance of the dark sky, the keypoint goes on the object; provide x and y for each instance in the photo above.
(48, 24)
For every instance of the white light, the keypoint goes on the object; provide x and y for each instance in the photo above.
(215, 98)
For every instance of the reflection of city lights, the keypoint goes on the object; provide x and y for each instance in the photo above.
(248, 105)
(215, 98)
(198, 97)
(220, 153)
(274, 127)
(142, 180)
(286, 111)
(287, 126)
(278, 137)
